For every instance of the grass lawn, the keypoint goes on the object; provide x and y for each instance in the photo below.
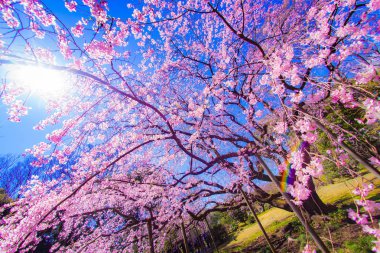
(275, 218)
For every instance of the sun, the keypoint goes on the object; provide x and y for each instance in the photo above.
(40, 81)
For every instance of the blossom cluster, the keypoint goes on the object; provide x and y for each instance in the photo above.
(369, 207)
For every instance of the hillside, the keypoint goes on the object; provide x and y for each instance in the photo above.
(277, 220)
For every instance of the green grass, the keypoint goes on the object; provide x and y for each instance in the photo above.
(362, 244)
(341, 193)
(275, 218)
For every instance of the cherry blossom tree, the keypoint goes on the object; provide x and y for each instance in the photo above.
(169, 112)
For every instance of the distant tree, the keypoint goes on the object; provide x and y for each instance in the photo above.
(4, 198)
(15, 173)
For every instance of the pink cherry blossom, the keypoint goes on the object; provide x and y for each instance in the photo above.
(71, 5)
(375, 161)
(308, 249)
(360, 219)
(372, 110)
(77, 30)
(374, 5)
(299, 192)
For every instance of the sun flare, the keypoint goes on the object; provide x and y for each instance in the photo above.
(40, 81)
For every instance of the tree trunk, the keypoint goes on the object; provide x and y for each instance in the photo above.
(199, 239)
(150, 234)
(313, 205)
(295, 209)
(212, 237)
(187, 250)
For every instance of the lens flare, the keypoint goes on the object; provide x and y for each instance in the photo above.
(39, 80)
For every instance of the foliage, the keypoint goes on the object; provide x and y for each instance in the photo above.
(220, 234)
(362, 244)
(4, 198)
(240, 215)
(338, 194)
(337, 219)
(226, 220)
(362, 137)
(16, 171)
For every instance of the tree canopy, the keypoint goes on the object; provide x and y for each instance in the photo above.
(172, 109)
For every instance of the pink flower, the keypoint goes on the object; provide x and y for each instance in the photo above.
(297, 159)
(17, 110)
(342, 95)
(299, 192)
(44, 55)
(309, 249)
(55, 136)
(305, 125)
(374, 5)
(315, 168)
(35, 28)
(310, 137)
(364, 190)
(296, 97)
(101, 50)
(372, 110)
(77, 30)
(316, 97)
(367, 74)
(282, 167)
(371, 231)
(359, 219)
(377, 246)
(259, 113)
(342, 161)
(9, 18)
(99, 13)
(63, 44)
(347, 2)
(71, 6)
(371, 206)
(374, 161)
(280, 127)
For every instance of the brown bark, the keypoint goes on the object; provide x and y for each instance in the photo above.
(150, 235)
(187, 250)
(212, 237)
(295, 209)
(312, 206)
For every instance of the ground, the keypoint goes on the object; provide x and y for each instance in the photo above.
(287, 234)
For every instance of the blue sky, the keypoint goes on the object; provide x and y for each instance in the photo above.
(16, 137)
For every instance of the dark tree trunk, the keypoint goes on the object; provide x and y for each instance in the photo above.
(212, 237)
(150, 235)
(313, 205)
(185, 242)
(296, 210)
